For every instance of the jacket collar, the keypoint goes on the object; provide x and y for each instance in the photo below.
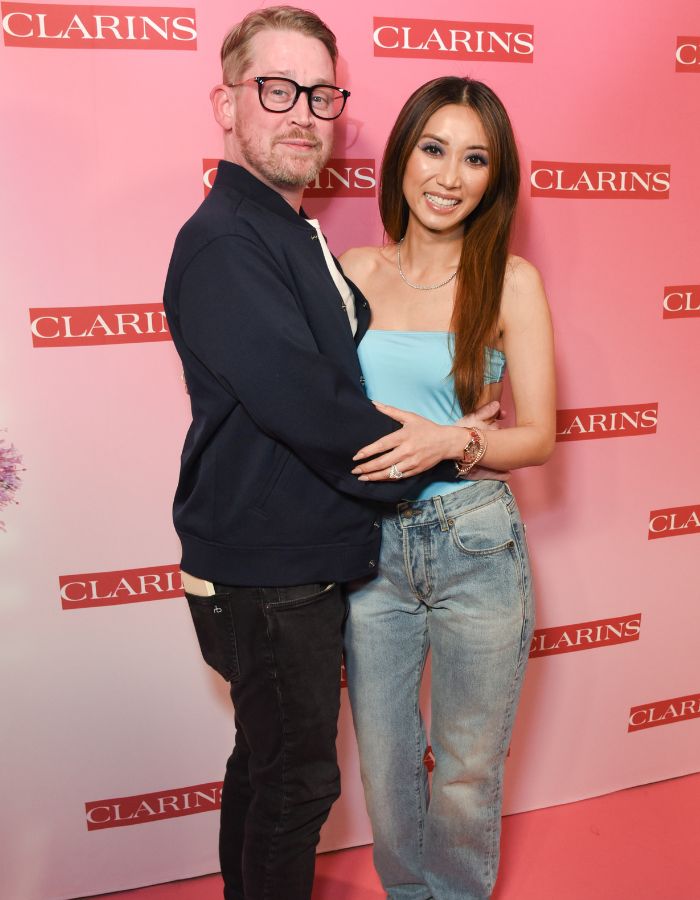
(230, 175)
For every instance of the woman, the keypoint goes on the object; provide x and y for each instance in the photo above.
(450, 307)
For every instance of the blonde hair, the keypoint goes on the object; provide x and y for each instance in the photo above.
(235, 56)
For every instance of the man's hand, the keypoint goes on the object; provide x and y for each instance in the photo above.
(419, 444)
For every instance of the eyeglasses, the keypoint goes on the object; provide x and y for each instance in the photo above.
(279, 95)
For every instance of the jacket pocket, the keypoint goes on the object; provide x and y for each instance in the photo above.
(279, 463)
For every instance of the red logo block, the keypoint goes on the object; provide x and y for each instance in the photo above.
(599, 181)
(338, 178)
(674, 521)
(664, 712)
(344, 178)
(585, 635)
(606, 422)
(115, 588)
(82, 326)
(120, 811)
(681, 301)
(72, 27)
(688, 54)
(437, 39)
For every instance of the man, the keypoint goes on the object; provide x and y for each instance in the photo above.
(271, 519)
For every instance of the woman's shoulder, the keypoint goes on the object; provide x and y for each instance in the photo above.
(520, 275)
(523, 291)
(361, 263)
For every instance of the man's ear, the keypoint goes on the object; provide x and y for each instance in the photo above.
(223, 106)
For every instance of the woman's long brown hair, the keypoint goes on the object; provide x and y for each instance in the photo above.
(484, 254)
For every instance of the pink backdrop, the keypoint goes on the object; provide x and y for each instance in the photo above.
(104, 692)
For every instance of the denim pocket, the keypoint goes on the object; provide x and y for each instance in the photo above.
(300, 595)
(216, 633)
(483, 530)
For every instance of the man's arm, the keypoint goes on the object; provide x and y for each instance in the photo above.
(240, 319)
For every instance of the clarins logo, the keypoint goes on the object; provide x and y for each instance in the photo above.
(439, 39)
(339, 178)
(98, 27)
(81, 326)
(664, 712)
(120, 811)
(681, 301)
(600, 181)
(344, 178)
(674, 521)
(115, 588)
(688, 54)
(606, 422)
(585, 635)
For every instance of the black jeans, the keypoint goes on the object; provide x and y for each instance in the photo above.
(281, 650)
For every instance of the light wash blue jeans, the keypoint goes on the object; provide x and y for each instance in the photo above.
(454, 577)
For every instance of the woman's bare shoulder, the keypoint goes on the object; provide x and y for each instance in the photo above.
(521, 275)
(362, 263)
(523, 292)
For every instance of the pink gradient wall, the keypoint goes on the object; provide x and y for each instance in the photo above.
(104, 692)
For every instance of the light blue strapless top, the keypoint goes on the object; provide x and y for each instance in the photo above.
(411, 370)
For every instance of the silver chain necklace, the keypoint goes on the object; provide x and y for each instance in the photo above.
(419, 287)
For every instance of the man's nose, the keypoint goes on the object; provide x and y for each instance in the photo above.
(301, 111)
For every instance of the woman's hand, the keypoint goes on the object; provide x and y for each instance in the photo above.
(419, 444)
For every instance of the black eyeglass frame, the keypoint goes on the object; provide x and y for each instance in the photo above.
(299, 88)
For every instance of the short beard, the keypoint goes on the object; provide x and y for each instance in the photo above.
(280, 172)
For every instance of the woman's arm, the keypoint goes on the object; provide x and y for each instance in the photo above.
(529, 349)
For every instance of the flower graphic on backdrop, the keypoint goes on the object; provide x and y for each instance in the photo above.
(10, 467)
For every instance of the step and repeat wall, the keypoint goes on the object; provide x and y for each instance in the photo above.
(115, 733)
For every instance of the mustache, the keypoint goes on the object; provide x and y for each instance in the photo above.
(298, 134)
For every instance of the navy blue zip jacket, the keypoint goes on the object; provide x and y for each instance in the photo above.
(266, 496)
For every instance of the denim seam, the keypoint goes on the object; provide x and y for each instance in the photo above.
(515, 544)
(498, 782)
(298, 602)
(487, 551)
(471, 509)
(409, 571)
(456, 515)
(509, 710)
(235, 672)
(421, 800)
(428, 563)
(509, 713)
(274, 841)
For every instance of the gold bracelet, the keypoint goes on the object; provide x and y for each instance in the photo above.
(472, 453)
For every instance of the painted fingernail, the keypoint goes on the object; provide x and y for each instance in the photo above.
(357, 470)
(363, 478)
